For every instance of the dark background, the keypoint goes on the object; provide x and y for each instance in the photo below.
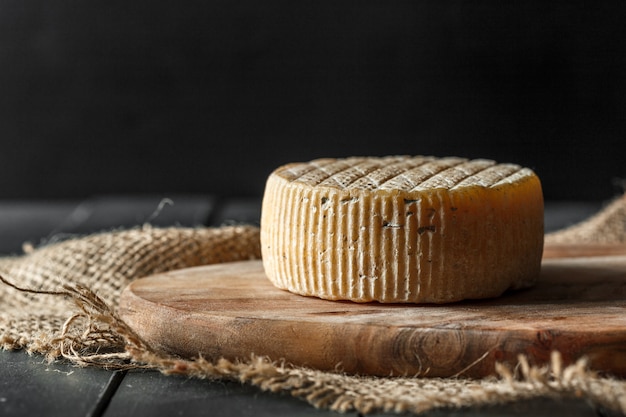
(100, 97)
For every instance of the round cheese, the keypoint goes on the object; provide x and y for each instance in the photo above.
(402, 229)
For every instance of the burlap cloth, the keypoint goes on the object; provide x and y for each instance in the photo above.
(59, 300)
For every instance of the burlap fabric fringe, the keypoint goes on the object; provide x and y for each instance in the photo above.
(59, 301)
(607, 226)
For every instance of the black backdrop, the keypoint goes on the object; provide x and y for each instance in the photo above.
(209, 96)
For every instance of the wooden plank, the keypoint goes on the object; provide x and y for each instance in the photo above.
(560, 214)
(29, 386)
(45, 222)
(235, 211)
(114, 212)
(26, 222)
(150, 394)
(536, 407)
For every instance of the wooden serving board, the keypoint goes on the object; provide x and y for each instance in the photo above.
(231, 310)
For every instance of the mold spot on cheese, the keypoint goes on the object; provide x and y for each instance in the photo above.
(423, 229)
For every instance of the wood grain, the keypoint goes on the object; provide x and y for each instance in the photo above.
(570, 250)
(578, 307)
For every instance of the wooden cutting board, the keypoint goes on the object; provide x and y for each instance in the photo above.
(231, 310)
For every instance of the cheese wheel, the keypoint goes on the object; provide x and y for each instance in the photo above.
(402, 229)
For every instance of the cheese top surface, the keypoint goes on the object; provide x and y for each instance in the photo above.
(404, 173)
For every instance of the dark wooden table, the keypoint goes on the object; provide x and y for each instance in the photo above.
(29, 386)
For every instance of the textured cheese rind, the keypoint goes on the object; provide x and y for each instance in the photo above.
(402, 229)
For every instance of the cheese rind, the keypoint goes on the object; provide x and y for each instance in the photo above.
(402, 229)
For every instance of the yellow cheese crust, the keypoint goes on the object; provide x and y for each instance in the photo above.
(402, 229)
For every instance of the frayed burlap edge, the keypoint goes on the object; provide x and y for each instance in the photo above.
(93, 335)
(608, 226)
(35, 310)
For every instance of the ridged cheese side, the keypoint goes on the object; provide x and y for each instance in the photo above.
(391, 230)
